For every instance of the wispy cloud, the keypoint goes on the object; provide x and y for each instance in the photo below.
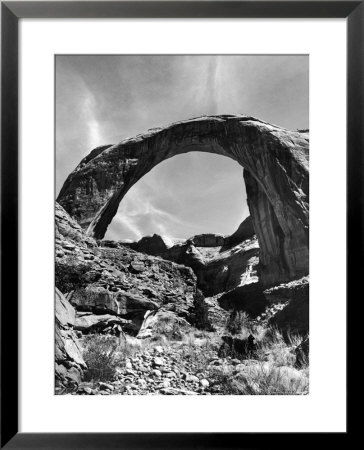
(89, 108)
(191, 201)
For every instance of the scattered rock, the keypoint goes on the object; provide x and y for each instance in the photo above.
(175, 391)
(105, 386)
(157, 361)
(204, 383)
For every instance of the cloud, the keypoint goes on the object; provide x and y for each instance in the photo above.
(94, 135)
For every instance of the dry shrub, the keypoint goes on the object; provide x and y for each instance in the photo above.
(261, 379)
(273, 347)
(102, 357)
(270, 380)
(199, 348)
(172, 328)
(238, 322)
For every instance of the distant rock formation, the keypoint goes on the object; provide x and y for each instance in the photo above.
(218, 266)
(207, 240)
(276, 177)
(245, 231)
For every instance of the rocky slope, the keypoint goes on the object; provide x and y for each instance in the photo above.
(276, 177)
(118, 281)
(210, 315)
(197, 367)
(117, 292)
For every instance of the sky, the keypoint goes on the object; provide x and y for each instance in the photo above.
(102, 99)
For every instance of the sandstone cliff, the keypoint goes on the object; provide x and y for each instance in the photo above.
(276, 177)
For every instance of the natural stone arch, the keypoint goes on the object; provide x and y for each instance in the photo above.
(276, 176)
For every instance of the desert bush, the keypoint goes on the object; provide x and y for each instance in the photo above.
(277, 349)
(102, 357)
(169, 327)
(199, 348)
(272, 381)
(129, 346)
(238, 322)
(261, 380)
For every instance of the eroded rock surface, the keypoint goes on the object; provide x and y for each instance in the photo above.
(69, 362)
(294, 317)
(276, 176)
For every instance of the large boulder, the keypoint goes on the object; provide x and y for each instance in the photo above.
(92, 323)
(163, 323)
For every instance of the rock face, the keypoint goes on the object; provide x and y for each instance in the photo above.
(294, 317)
(230, 269)
(276, 177)
(70, 366)
(249, 298)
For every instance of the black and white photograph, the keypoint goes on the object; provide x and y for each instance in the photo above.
(181, 224)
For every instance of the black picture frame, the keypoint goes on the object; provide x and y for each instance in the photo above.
(11, 12)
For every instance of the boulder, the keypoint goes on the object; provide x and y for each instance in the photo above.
(65, 313)
(93, 323)
(163, 322)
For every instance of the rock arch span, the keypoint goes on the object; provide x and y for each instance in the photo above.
(276, 177)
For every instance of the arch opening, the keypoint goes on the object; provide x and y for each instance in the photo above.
(186, 195)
